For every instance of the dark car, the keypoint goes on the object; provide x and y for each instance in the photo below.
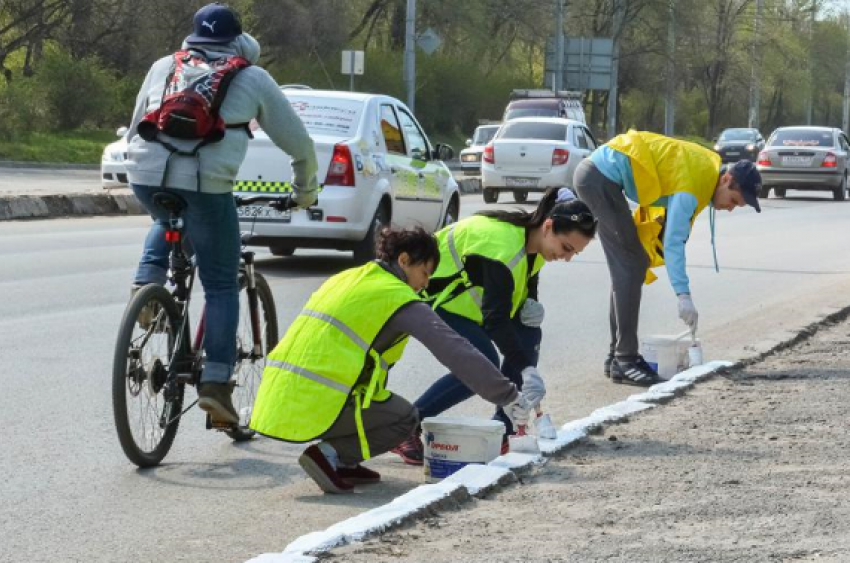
(740, 143)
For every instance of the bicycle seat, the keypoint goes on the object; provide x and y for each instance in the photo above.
(172, 203)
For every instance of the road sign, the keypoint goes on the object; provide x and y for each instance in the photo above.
(429, 41)
(587, 62)
(353, 62)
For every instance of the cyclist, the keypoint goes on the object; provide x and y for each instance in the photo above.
(486, 290)
(327, 377)
(205, 182)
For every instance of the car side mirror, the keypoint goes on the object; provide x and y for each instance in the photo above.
(469, 142)
(121, 131)
(443, 152)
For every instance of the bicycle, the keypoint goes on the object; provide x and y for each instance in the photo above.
(156, 356)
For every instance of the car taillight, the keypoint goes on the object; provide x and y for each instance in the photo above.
(764, 159)
(560, 156)
(830, 161)
(341, 169)
(489, 155)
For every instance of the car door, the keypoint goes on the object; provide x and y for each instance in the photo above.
(844, 157)
(581, 148)
(403, 180)
(431, 176)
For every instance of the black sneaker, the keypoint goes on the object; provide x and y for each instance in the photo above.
(411, 450)
(607, 365)
(637, 373)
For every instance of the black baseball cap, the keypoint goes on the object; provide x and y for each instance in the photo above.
(215, 23)
(748, 179)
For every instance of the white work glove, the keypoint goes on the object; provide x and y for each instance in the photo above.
(305, 197)
(532, 386)
(518, 410)
(688, 311)
(531, 313)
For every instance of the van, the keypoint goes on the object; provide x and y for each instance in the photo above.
(545, 103)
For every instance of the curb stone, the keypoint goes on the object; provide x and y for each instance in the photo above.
(476, 481)
(65, 205)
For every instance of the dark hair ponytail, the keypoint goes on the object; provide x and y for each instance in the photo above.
(567, 216)
(420, 245)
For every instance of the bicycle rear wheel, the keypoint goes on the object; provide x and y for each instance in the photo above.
(248, 371)
(146, 406)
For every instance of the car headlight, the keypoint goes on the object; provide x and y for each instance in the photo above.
(717, 147)
(751, 147)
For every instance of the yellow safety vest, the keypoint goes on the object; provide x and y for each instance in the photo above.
(326, 356)
(490, 238)
(662, 166)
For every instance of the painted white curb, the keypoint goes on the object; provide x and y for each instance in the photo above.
(475, 479)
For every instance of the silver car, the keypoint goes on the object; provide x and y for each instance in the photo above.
(805, 158)
(470, 157)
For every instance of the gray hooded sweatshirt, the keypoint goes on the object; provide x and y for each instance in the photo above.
(253, 93)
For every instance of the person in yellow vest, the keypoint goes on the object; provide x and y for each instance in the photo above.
(327, 377)
(486, 289)
(671, 181)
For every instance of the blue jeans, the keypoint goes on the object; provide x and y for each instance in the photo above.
(212, 227)
(449, 391)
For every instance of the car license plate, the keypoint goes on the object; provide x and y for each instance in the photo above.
(263, 212)
(521, 182)
(796, 161)
(733, 153)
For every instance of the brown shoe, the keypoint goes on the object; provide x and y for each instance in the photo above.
(314, 462)
(215, 399)
(359, 475)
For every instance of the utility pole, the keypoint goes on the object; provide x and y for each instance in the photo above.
(558, 78)
(809, 78)
(845, 116)
(755, 84)
(670, 90)
(410, 54)
(616, 28)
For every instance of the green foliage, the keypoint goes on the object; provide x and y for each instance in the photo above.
(74, 147)
(21, 110)
(77, 92)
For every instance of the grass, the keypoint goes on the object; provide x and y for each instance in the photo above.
(75, 147)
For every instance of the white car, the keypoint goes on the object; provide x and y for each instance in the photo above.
(112, 171)
(470, 157)
(376, 166)
(531, 154)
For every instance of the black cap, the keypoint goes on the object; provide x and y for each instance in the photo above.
(215, 23)
(748, 179)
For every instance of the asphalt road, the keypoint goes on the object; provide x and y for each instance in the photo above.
(68, 493)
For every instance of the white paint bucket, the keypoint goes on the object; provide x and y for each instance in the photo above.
(667, 354)
(454, 442)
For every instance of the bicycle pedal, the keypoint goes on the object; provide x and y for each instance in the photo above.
(220, 425)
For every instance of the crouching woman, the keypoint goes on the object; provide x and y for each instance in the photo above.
(327, 377)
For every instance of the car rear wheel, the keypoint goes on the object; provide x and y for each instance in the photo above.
(282, 250)
(520, 196)
(365, 249)
(840, 193)
(779, 192)
(491, 195)
(452, 212)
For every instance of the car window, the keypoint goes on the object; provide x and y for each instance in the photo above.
(581, 140)
(415, 137)
(526, 111)
(843, 140)
(484, 135)
(591, 142)
(737, 135)
(391, 130)
(802, 138)
(533, 130)
(327, 116)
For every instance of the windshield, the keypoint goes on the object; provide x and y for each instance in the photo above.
(327, 116)
(483, 135)
(737, 135)
(534, 130)
(802, 138)
(513, 113)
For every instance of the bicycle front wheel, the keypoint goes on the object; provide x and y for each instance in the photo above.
(250, 363)
(145, 404)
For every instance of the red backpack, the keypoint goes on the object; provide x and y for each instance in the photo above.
(194, 91)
